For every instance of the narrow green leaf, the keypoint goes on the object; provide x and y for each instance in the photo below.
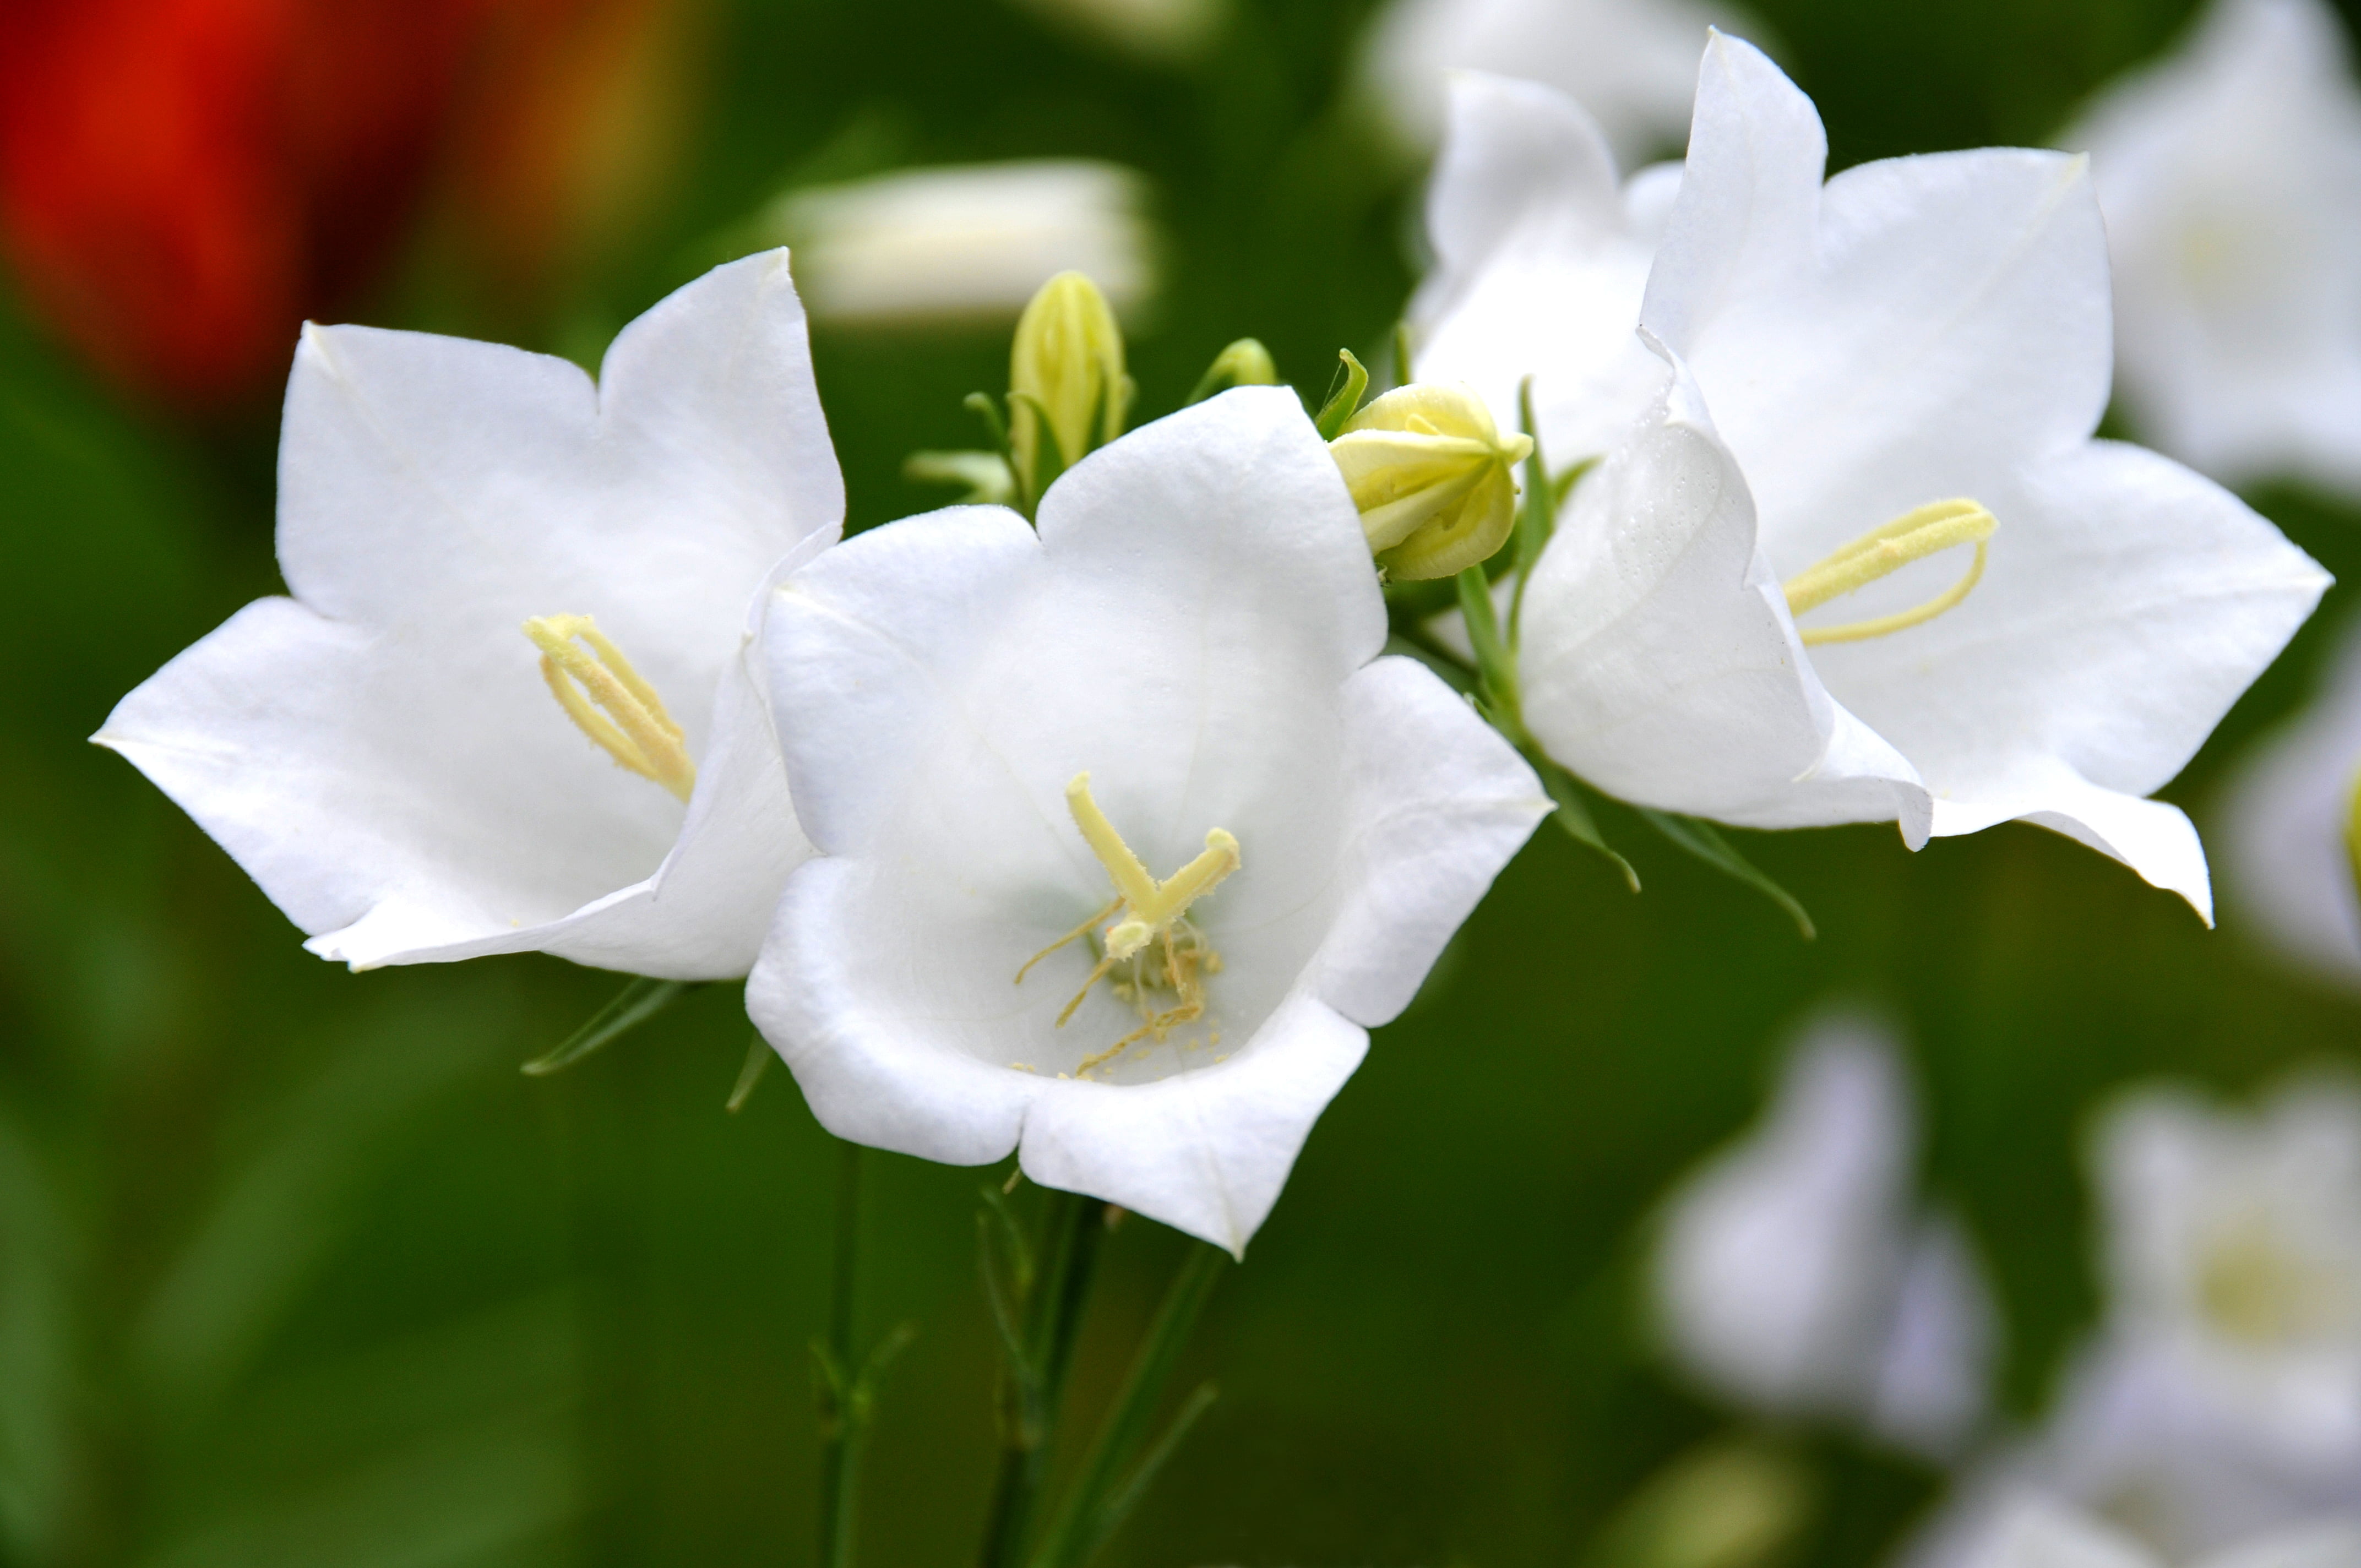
(1575, 816)
(759, 1057)
(1536, 518)
(1562, 485)
(1082, 1524)
(998, 1297)
(1704, 841)
(1345, 392)
(1493, 662)
(1118, 1506)
(638, 1001)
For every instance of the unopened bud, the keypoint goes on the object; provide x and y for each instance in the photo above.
(1433, 477)
(1065, 371)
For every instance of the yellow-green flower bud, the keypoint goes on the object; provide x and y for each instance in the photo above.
(1066, 367)
(1433, 477)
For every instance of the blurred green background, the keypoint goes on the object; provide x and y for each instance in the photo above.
(296, 1268)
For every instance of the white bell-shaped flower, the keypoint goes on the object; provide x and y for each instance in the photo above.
(1127, 834)
(506, 707)
(1904, 366)
(1796, 1273)
(2231, 177)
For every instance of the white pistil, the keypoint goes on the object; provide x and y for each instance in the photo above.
(633, 727)
(1143, 911)
(1886, 549)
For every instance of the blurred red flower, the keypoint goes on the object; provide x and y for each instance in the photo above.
(182, 182)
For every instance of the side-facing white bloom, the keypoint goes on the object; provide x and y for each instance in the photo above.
(967, 243)
(2231, 177)
(1631, 63)
(2234, 1252)
(1796, 1275)
(2289, 817)
(1127, 834)
(1541, 259)
(1904, 362)
(2034, 1531)
(386, 752)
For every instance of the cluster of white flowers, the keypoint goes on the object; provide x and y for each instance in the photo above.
(1102, 830)
(2215, 1416)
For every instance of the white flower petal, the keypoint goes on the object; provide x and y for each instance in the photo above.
(1440, 803)
(1633, 63)
(1190, 627)
(1919, 328)
(380, 753)
(1539, 270)
(1934, 1379)
(1775, 1272)
(1660, 663)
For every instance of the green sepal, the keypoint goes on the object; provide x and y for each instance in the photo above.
(1402, 353)
(1344, 391)
(1495, 665)
(995, 424)
(1048, 452)
(1246, 363)
(640, 1001)
(1573, 813)
(1704, 841)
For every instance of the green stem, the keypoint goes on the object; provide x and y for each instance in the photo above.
(1099, 1498)
(1072, 1226)
(839, 1459)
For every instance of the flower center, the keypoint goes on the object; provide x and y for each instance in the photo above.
(610, 701)
(1882, 551)
(2255, 1287)
(1158, 957)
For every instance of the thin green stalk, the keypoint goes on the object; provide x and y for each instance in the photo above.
(840, 1457)
(1104, 1493)
(1035, 1387)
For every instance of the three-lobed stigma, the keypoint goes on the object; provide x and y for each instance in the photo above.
(610, 701)
(1915, 535)
(1147, 932)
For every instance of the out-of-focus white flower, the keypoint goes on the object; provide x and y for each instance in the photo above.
(1163, 32)
(1906, 361)
(1540, 258)
(2287, 819)
(1172, 696)
(1796, 1273)
(1630, 63)
(2231, 177)
(2035, 1531)
(2234, 1252)
(379, 751)
(973, 242)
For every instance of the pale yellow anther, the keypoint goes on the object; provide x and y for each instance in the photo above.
(609, 702)
(1152, 913)
(1915, 535)
(1153, 904)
